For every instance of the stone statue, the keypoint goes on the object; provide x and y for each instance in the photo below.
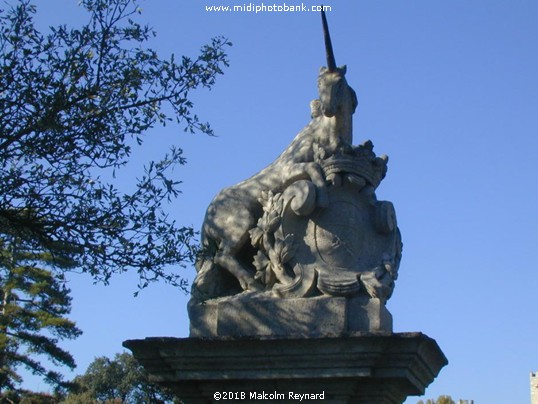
(309, 224)
(297, 264)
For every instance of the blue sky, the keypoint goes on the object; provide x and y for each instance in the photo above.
(448, 89)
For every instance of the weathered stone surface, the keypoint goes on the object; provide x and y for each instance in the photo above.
(308, 224)
(365, 368)
(264, 316)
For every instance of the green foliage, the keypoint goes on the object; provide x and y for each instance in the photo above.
(121, 380)
(27, 397)
(440, 400)
(33, 308)
(73, 103)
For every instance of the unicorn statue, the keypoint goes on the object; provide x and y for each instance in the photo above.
(261, 236)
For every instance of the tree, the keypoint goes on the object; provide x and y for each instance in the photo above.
(73, 104)
(28, 397)
(33, 309)
(440, 400)
(121, 380)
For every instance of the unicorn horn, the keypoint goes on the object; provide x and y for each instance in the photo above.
(331, 63)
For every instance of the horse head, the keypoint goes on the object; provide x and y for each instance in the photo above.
(334, 92)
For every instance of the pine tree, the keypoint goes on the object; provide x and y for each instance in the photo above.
(34, 303)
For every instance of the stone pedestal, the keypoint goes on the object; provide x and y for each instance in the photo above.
(365, 368)
(260, 315)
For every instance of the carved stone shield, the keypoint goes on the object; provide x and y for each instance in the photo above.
(355, 234)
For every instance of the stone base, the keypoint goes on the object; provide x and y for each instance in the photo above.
(255, 315)
(365, 368)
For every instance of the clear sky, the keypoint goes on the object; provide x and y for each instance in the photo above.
(448, 89)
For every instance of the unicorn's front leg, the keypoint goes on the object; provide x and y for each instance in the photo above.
(308, 171)
(318, 179)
